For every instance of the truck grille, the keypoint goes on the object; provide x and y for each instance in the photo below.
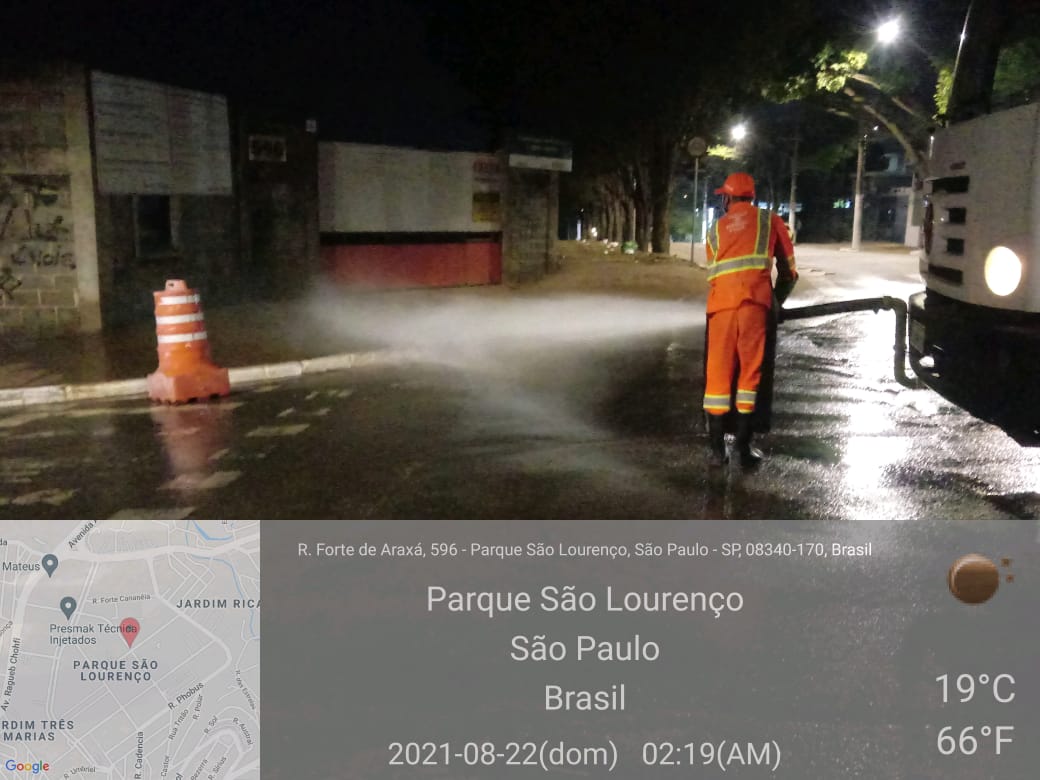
(951, 275)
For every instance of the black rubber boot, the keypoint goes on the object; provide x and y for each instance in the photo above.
(749, 456)
(717, 439)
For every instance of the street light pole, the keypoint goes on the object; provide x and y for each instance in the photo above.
(704, 216)
(697, 147)
(857, 204)
(792, 205)
(693, 225)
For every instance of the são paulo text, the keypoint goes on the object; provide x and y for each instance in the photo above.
(541, 647)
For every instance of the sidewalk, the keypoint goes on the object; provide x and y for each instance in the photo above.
(258, 341)
(339, 329)
(245, 334)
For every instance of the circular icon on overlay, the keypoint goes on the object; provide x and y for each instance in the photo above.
(973, 578)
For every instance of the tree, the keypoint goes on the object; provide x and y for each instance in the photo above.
(1018, 73)
(891, 94)
(631, 80)
(838, 80)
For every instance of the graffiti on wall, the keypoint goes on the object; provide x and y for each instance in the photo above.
(35, 229)
(8, 283)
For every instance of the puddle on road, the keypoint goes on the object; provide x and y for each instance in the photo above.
(808, 448)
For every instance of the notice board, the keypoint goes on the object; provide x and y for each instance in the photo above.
(153, 139)
(365, 188)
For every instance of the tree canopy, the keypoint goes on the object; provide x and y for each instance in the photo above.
(628, 83)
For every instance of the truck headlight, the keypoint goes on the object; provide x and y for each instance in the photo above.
(1003, 271)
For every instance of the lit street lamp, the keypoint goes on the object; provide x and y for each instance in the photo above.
(888, 31)
(739, 131)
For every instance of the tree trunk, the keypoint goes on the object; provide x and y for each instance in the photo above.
(662, 183)
(642, 226)
(634, 182)
(662, 239)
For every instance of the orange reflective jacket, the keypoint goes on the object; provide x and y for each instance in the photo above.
(741, 247)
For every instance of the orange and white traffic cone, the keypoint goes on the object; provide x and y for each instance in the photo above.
(186, 372)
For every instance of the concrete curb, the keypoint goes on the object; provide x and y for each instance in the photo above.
(239, 377)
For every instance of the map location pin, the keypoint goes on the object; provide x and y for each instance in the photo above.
(130, 628)
(68, 606)
(50, 563)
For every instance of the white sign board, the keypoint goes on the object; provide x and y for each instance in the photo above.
(151, 139)
(547, 154)
(383, 189)
(539, 163)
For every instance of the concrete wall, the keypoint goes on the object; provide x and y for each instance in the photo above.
(205, 248)
(530, 224)
(48, 247)
(278, 206)
(403, 217)
(262, 241)
(69, 255)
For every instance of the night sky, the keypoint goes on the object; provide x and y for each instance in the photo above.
(402, 72)
(363, 68)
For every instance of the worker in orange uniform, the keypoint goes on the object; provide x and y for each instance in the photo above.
(741, 248)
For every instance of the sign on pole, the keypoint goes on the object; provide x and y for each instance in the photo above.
(547, 154)
(697, 147)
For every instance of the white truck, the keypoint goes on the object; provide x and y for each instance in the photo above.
(974, 332)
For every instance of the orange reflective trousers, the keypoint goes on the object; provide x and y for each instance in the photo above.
(740, 249)
(735, 335)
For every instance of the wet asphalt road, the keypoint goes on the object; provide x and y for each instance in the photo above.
(596, 416)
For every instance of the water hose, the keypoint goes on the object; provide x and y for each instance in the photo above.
(864, 304)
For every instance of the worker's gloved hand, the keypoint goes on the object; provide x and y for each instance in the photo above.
(783, 289)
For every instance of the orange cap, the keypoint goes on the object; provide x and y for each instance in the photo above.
(738, 185)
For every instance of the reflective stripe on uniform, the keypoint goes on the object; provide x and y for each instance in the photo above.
(176, 300)
(746, 397)
(176, 338)
(732, 265)
(762, 233)
(758, 260)
(713, 238)
(178, 319)
(719, 402)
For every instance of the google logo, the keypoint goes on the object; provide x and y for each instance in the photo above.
(36, 767)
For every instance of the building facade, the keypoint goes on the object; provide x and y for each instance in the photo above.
(111, 185)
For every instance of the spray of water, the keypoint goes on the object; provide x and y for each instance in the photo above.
(532, 370)
(482, 321)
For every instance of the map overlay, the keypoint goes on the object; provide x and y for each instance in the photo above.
(130, 649)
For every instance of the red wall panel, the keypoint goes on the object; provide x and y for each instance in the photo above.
(414, 265)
